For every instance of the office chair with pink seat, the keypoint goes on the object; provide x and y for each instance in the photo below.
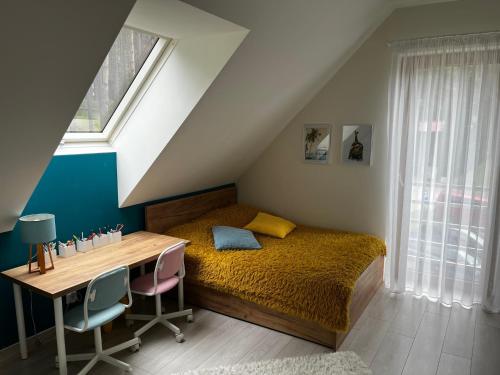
(169, 272)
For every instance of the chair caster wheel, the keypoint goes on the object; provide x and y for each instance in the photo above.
(135, 348)
(179, 337)
(129, 323)
(56, 364)
(190, 318)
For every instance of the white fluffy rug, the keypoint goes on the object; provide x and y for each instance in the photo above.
(340, 363)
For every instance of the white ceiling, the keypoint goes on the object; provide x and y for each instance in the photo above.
(50, 55)
(50, 58)
(293, 48)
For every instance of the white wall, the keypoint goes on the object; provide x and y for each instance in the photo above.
(336, 195)
(51, 52)
(292, 49)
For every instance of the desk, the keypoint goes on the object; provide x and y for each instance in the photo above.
(74, 273)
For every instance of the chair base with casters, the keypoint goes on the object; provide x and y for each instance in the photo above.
(161, 318)
(104, 355)
(169, 272)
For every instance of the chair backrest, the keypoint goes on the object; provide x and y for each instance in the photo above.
(170, 262)
(108, 289)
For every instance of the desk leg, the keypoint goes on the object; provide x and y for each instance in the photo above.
(21, 330)
(61, 345)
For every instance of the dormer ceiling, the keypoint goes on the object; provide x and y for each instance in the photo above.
(263, 61)
(292, 49)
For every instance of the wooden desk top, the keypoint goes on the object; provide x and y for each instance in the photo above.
(75, 272)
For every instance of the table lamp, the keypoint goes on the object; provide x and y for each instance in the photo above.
(38, 230)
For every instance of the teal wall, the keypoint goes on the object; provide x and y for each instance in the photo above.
(82, 192)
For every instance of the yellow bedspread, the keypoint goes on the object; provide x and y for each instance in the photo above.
(310, 274)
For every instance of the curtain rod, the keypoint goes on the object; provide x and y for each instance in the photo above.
(393, 42)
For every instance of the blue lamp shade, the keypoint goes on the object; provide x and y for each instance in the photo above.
(39, 228)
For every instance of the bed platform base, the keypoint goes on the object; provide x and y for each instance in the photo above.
(162, 216)
(235, 307)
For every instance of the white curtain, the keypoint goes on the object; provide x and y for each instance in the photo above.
(444, 157)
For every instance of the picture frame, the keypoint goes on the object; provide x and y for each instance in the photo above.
(317, 143)
(357, 144)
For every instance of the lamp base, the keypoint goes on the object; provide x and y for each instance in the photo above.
(40, 258)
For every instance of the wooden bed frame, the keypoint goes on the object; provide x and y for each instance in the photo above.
(160, 217)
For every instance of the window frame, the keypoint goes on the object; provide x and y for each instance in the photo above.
(136, 89)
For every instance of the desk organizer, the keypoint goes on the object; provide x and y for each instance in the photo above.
(66, 251)
(84, 246)
(115, 236)
(102, 240)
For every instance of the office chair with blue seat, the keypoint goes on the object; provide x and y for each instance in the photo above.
(102, 305)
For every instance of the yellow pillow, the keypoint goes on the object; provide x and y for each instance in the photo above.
(271, 225)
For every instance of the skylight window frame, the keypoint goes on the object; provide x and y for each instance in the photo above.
(163, 46)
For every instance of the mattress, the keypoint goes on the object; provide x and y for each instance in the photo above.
(310, 274)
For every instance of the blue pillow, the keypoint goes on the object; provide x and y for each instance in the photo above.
(234, 238)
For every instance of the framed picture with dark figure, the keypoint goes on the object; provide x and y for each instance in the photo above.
(317, 143)
(357, 144)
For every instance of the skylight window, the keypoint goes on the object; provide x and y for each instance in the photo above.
(115, 85)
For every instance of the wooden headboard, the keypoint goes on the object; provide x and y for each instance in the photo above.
(161, 216)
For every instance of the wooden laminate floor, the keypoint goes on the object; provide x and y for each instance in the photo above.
(396, 335)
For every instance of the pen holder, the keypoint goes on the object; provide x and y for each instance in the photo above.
(100, 241)
(67, 251)
(115, 236)
(84, 246)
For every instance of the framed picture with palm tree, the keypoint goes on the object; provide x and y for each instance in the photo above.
(317, 143)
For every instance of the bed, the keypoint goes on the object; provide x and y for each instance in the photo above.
(313, 284)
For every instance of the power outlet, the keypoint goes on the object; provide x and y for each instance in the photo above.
(71, 298)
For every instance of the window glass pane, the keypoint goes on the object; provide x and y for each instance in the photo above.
(124, 60)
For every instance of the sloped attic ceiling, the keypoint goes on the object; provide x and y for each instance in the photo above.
(201, 47)
(51, 52)
(293, 48)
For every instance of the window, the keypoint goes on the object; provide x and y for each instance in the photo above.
(444, 108)
(116, 82)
